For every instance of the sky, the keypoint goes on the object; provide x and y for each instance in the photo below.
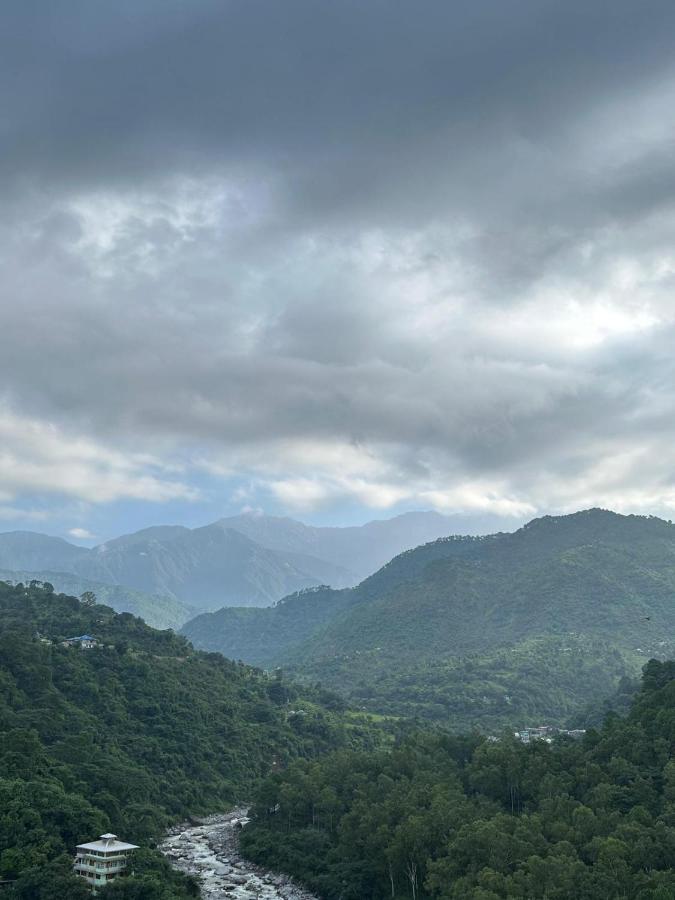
(334, 260)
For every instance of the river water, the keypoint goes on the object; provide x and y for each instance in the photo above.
(210, 850)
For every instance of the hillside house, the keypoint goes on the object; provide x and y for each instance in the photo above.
(84, 641)
(100, 862)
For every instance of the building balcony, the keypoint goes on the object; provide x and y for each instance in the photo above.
(100, 868)
(103, 861)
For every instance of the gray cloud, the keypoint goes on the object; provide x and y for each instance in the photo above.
(401, 252)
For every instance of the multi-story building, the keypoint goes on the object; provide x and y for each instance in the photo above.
(99, 862)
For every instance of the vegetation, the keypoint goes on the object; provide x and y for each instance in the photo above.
(512, 686)
(464, 818)
(129, 736)
(158, 610)
(266, 636)
(444, 625)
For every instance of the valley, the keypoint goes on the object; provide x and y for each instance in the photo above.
(379, 733)
(131, 735)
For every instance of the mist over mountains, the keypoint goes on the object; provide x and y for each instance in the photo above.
(167, 573)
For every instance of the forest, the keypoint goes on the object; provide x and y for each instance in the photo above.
(466, 818)
(129, 736)
(550, 679)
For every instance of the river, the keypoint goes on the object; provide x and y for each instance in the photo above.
(210, 850)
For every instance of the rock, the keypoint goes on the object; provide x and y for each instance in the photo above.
(209, 849)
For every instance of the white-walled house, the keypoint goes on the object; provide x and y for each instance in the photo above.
(99, 862)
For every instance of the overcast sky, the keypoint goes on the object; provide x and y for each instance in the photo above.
(335, 259)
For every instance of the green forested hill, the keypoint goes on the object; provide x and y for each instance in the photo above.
(462, 818)
(158, 610)
(601, 582)
(128, 736)
(554, 576)
(518, 684)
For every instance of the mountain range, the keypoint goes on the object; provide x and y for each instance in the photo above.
(580, 599)
(167, 573)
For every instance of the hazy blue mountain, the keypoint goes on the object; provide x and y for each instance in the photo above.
(360, 549)
(207, 567)
(246, 560)
(161, 533)
(32, 551)
(157, 610)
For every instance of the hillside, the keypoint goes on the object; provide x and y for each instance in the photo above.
(158, 610)
(551, 679)
(594, 573)
(266, 637)
(594, 576)
(452, 818)
(130, 735)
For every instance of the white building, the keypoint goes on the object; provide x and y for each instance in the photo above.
(85, 641)
(101, 861)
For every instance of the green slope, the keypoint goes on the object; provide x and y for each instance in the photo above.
(550, 677)
(468, 606)
(606, 579)
(269, 636)
(131, 735)
(158, 610)
(265, 636)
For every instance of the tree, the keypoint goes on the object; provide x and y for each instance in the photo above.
(54, 881)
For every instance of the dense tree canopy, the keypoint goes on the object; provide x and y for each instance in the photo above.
(454, 818)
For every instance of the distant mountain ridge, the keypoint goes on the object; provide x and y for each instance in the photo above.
(29, 550)
(359, 549)
(246, 560)
(209, 567)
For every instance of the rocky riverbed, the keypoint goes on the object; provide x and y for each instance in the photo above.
(210, 851)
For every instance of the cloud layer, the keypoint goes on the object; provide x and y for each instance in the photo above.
(382, 254)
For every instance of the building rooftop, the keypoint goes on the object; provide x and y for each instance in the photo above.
(108, 843)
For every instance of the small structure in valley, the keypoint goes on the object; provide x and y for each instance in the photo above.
(85, 641)
(99, 862)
